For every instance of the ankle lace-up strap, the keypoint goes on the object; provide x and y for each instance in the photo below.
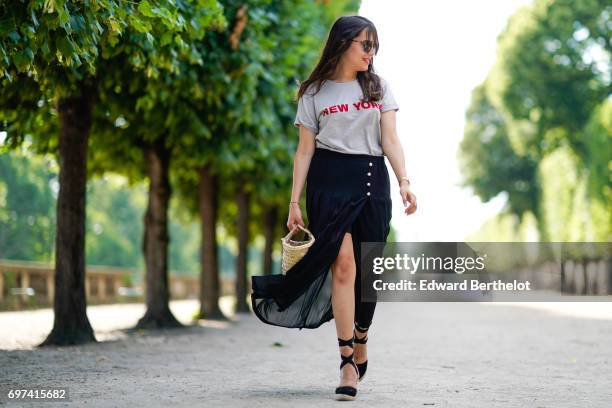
(361, 330)
(347, 359)
(347, 342)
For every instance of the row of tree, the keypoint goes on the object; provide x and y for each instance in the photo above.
(113, 231)
(539, 128)
(195, 96)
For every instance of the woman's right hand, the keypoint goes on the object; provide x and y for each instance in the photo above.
(295, 216)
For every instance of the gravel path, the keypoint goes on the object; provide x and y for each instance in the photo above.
(421, 355)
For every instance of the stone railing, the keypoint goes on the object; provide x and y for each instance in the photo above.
(23, 281)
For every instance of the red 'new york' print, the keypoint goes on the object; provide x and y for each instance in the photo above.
(344, 107)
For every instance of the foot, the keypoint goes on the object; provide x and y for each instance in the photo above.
(349, 372)
(349, 375)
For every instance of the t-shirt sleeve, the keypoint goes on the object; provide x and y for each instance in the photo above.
(388, 100)
(306, 114)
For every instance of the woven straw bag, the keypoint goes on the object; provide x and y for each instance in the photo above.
(293, 251)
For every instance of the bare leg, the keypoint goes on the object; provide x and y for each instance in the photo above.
(343, 302)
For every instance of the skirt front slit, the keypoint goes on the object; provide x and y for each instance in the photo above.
(344, 193)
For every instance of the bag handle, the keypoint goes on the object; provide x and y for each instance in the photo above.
(290, 233)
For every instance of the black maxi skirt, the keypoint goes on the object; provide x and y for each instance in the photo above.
(344, 193)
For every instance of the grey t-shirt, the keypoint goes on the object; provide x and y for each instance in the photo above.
(340, 121)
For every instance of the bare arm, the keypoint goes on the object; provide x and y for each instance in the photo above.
(301, 164)
(392, 148)
(301, 161)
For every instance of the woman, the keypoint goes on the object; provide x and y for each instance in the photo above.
(346, 117)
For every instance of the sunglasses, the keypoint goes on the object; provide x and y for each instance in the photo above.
(367, 45)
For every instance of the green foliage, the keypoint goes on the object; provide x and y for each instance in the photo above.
(553, 69)
(539, 127)
(598, 139)
(59, 42)
(114, 228)
(114, 222)
(80, 46)
(579, 190)
(489, 164)
(214, 80)
(245, 101)
(334, 9)
(563, 194)
(27, 207)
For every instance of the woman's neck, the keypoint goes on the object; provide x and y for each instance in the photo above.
(344, 75)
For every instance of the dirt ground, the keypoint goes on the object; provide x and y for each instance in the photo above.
(420, 355)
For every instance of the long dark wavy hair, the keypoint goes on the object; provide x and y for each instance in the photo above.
(338, 41)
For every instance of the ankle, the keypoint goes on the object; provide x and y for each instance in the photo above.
(360, 333)
(346, 351)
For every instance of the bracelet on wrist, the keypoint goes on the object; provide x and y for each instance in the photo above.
(404, 178)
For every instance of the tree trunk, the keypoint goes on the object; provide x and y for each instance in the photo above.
(563, 276)
(71, 325)
(209, 264)
(585, 276)
(609, 273)
(156, 240)
(595, 285)
(243, 239)
(270, 220)
(572, 278)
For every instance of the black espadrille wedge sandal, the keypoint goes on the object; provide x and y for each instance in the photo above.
(346, 392)
(361, 367)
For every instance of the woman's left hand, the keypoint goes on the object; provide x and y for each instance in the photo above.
(408, 197)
